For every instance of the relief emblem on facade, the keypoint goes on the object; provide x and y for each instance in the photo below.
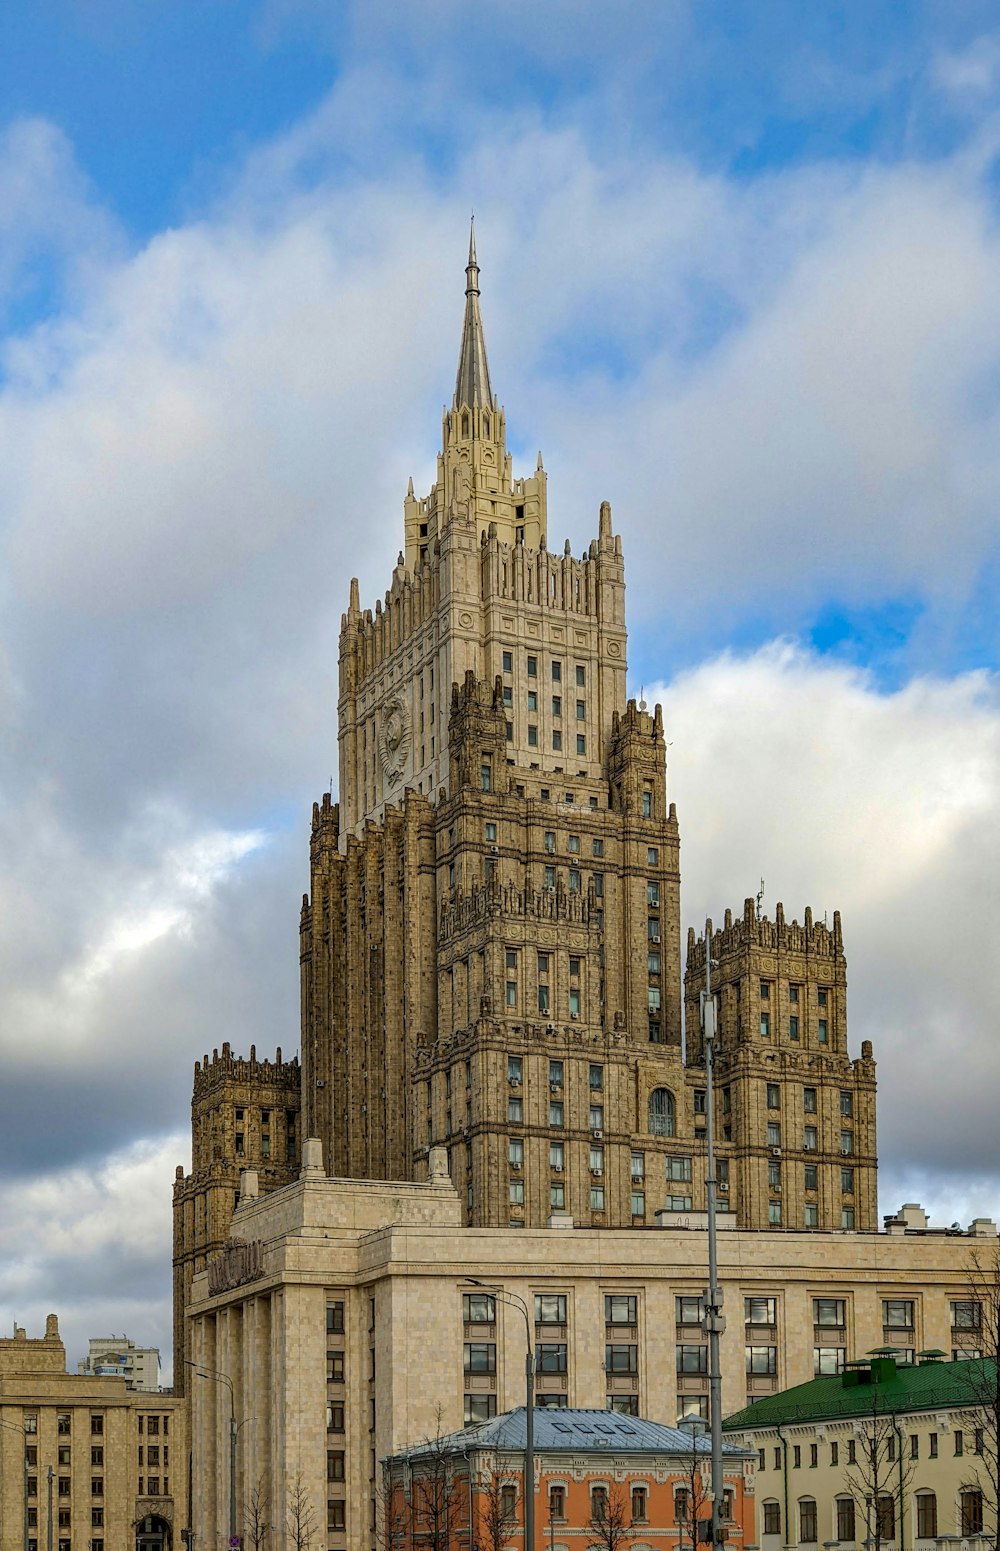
(394, 739)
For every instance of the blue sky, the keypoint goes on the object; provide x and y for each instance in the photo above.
(741, 275)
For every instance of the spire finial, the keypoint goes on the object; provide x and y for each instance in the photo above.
(472, 385)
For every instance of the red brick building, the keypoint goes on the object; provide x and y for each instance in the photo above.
(602, 1479)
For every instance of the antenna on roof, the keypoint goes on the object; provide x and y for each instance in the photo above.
(760, 898)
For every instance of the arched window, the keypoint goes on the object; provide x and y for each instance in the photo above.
(486, 424)
(465, 425)
(926, 1516)
(661, 1112)
(885, 1508)
(845, 1518)
(971, 1503)
(772, 1517)
(807, 1520)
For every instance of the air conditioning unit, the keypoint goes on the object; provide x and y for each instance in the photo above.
(723, 1187)
(494, 850)
(554, 1087)
(775, 1152)
(557, 1168)
(574, 1016)
(513, 1082)
(654, 936)
(845, 1152)
(597, 1134)
(516, 1168)
(597, 1173)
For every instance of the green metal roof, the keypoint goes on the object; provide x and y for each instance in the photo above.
(898, 1388)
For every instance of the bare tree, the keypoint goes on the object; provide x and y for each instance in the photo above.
(422, 1497)
(256, 1524)
(692, 1501)
(610, 1517)
(879, 1478)
(977, 1314)
(392, 1511)
(300, 1518)
(497, 1518)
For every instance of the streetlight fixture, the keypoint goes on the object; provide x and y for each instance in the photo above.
(516, 1301)
(16, 1427)
(714, 1321)
(223, 1378)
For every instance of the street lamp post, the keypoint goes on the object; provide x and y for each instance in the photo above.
(16, 1427)
(223, 1378)
(714, 1322)
(517, 1302)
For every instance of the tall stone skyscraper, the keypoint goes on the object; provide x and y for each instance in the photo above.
(490, 948)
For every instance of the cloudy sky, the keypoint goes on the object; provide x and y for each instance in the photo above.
(741, 274)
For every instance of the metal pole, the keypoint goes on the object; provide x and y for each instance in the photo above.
(26, 1537)
(529, 1441)
(714, 1322)
(232, 1469)
(48, 1530)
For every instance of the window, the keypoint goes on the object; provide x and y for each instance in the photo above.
(335, 1367)
(555, 1074)
(515, 1192)
(550, 1308)
(772, 1517)
(652, 892)
(515, 1068)
(508, 662)
(557, 705)
(598, 1504)
(335, 1417)
(96, 1424)
(597, 1160)
(846, 1104)
(967, 1314)
(897, 1313)
(845, 1518)
(479, 1308)
(679, 1169)
(689, 1309)
(597, 1198)
(932, 1445)
(807, 1519)
(959, 1443)
(793, 1027)
(829, 1311)
(550, 1357)
(532, 667)
(761, 1359)
(581, 710)
(486, 775)
(638, 1504)
(765, 1024)
(774, 1214)
(581, 743)
(555, 1112)
(692, 1359)
(515, 1111)
(557, 1196)
(556, 672)
(774, 1174)
(829, 1359)
(813, 1455)
(810, 1139)
(480, 1357)
(515, 1151)
(914, 1445)
(63, 1425)
(336, 1510)
(97, 1518)
(774, 1133)
(822, 1033)
(335, 1462)
(479, 1408)
(835, 1454)
(885, 1511)
(846, 1142)
(543, 998)
(773, 1096)
(926, 1515)
(621, 1359)
(573, 880)
(677, 1204)
(847, 1181)
(638, 1203)
(661, 1112)
(647, 804)
(760, 1311)
(97, 1486)
(809, 1176)
(557, 1502)
(809, 1100)
(619, 1309)
(557, 1155)
(765, 990)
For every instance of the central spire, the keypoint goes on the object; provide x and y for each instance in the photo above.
(472, 385)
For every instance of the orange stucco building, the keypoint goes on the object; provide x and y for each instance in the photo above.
(601, 1479)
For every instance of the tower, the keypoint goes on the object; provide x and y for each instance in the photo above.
(491, 943)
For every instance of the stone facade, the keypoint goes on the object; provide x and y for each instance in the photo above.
(491, 944)
(118, 1457)
(244, 1114)
(357, 1308)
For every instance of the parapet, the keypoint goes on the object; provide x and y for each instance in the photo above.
(221, 1070)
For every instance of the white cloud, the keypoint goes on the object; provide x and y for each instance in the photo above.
(885, 806)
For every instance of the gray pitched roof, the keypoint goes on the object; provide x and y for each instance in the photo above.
(472, 384)
(574, 1432)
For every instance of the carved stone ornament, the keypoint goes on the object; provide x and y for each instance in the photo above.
(394, 739)
(239, 1262)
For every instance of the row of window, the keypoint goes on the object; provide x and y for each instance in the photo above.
(532, 703)
(557, 1069)
(557, 740)
(481, 1405)
(810, 1215)
(969, 1517)
(552, 1357)
(795, 993)
(810, 1138)
(556, 667)
(809, 1100)
(550, 1308)
(822, 1028)
(151, 1425)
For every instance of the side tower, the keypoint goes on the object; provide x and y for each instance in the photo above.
(490, 947)
(244, 1115)
(796, 1115)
